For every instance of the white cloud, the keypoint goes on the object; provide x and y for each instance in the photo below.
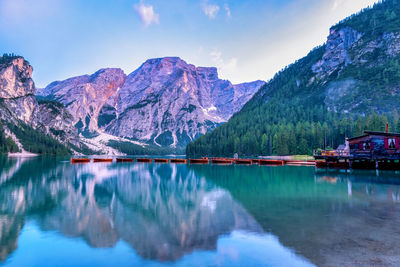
(210, 10)
(226, 67)
(228, 11)
(147, 14)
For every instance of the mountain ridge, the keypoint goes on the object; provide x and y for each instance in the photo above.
(166, 102)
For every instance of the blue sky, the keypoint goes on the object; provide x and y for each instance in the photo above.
(246, 39)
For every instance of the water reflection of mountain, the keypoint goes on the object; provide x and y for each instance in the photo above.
(162, 211)
(327, 218)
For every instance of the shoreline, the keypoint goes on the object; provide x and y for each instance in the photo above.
(22, 155)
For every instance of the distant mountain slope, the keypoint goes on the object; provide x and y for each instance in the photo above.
(349, 84)
(165, 102)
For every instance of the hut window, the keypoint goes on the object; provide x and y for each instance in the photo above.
(392, 143)
(367, 145)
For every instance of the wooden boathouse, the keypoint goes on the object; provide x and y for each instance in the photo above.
(372, 150)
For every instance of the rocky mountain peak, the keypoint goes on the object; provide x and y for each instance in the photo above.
(15, 77)
(172, 102)
(84, 96)
(165, 102)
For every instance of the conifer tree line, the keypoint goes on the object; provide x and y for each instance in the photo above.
(32, 140)
(297, 132)
(6, 143)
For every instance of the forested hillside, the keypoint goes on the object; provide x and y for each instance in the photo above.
(348, 85)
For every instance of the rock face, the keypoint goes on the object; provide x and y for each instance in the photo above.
(337, 47)
(165, 102)
(170, 102)
(15, 78)
(19, 105)
(84, 96)
(348, 49)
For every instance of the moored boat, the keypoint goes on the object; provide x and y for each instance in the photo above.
(300, 163)
(199, 161)
(264, 162)
(102, 160)
(125, 160)
(144, 160)
(80, 160)
(243, 161)
(161, 160)
(221, 161)
(178, 161)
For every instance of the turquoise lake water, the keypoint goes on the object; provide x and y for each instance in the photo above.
(53, 213)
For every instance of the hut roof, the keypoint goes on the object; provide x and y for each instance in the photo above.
(367, 133)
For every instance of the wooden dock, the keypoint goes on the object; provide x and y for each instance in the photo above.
(332, 164)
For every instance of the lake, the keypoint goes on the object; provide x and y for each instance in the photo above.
(53, 213)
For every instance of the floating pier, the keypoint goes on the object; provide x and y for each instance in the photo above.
(199, 161)
(161, 161)
(82, 160)
(102, 160)
(178, 161)
(125, 160)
